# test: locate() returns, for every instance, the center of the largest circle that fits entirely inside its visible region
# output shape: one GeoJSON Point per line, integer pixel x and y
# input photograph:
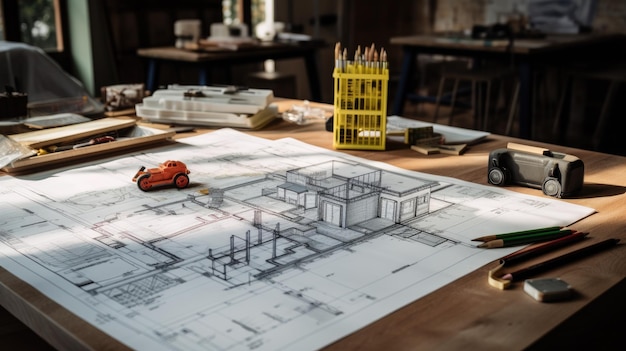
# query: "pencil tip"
{"type": "Point", "coordinates": [483, 245]}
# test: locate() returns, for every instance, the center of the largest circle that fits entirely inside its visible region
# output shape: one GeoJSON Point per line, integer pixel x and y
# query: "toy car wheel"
{"type": "Point", "coordinates": [497, 176]}
{"type": "Point", "coordinates": [144, 183]}
{"type": "Point", "coordinates": [181, 181]}
{"type": "Point", "coordinates": [552, 187]}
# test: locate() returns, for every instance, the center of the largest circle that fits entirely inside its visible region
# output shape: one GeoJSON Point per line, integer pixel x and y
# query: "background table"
{"type": "Point", "coordinates": [205, 61]}
{"type": "Point", "coordinates": [466, 314]}
{"type": "Point", "coordinates": [525, 54]}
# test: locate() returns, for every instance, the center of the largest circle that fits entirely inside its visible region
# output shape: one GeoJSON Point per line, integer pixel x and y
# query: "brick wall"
{"type": "Point", "coordinates": [454, 16]}
{"type": "Point", "coordinates": [610, 16]}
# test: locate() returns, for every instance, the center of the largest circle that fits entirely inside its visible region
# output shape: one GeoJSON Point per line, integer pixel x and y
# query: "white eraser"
{"type": "Point", "coordinates": [550, 289]}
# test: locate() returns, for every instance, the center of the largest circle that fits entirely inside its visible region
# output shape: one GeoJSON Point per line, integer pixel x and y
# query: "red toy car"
{"type": "Point", "coordinates": [168, 172]}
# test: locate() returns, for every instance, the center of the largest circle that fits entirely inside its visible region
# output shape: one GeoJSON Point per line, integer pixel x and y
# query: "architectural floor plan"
{"type": "Point", "coordinates": [274, 244]}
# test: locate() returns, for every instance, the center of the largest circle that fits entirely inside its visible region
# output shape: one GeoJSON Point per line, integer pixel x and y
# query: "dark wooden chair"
{"type": "Point", "coordinates": [482, 83]}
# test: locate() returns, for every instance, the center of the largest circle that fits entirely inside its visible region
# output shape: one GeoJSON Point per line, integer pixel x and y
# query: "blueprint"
{"type": "Point", "coordinates": [274, 245]}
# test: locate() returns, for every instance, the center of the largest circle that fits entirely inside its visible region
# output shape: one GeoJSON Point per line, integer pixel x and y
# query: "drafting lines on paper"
{"type": "Point", "coordinates": [262, 225]}
{"type": "Point", "coordinates": [279, 241]}
{"type": "Point", "coordinates": [267, 224]}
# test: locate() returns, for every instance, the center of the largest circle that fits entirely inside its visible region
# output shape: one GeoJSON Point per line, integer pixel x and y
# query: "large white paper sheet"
{"type": "Point", "coordinates": [291, 248]}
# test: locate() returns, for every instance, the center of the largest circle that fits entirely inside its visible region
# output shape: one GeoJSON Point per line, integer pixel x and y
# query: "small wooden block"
{"type": "Point", "coordinates": [426, 149]}
{"type": "Point", "coordinates": [412, 136]}
{"type": "Point", "coordinates": [452, 149]}
{"type": "Point", "coordinates": [528, 148]}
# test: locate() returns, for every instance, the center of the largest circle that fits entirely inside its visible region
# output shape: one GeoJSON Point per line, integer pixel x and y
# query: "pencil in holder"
{"type": "Point", "coordinates": [360, 101]}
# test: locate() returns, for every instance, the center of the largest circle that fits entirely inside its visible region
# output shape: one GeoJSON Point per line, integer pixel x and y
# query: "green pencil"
{"type": "Point", "coordinates": [526, 239]}
{"type": "Point", "coordinates": [519, 233]}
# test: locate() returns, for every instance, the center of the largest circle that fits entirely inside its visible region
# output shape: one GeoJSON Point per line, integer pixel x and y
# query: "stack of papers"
{"type": "Point", "coordinates": [209, 106]}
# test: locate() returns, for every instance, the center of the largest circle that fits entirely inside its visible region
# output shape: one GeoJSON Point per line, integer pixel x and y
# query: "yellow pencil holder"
{"type": "Point", "coordinates": [360, 107]}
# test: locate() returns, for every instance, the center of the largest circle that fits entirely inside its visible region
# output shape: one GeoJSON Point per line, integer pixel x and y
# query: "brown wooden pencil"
{"type": "Point", "coordinates": [554, 262]}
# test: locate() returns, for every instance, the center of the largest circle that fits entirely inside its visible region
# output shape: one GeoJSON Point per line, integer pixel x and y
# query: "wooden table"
{"type": "Point", "coordinates": [205, 61]}
{"type": "Point", "coordinates": [525, 53]}
{"type": "Point", "coordinates": [466, 314]}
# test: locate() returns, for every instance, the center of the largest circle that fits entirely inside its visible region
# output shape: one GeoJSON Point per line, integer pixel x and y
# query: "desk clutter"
{"type": "Point", "coordinates": [55, 147]}
{"type": "Point", "coordinates": [432, 138]}
{"type": "Point", "coordinates": [51, 147]}
{"type": "Point", "coordinates": [426, 141]}
{"type": "Point", "coordinates": [230, 106]}
{"type": "Point", "coordinates": [51, 140]}
{"type": "Point", "coordinates": [542, 243]}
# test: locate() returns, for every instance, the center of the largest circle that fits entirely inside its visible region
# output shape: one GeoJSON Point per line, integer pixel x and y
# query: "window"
{"type": "Point", "coordinates": [35, 22]}
{"type": "Point", "coordinates": [250, 12]}
{"type": "Point", "coordinates": [39, 23]}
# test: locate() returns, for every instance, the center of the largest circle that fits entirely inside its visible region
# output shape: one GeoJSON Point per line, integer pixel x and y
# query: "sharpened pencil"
{"type": "Point", "coordinates": [554, 262]}
{"type": "Point", "coordinates": [525, 239]}
{"type": "Point", "coordinates": [511, 234]}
